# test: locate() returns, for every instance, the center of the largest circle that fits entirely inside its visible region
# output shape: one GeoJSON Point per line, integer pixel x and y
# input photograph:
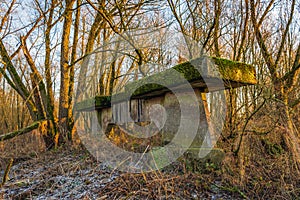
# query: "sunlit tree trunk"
{"type": "Point", "coordinates": [65, 74]}
{"type": "Point", "coordinates": [72, 72]}
{"type": "Point", "coordinates": [52, 125]}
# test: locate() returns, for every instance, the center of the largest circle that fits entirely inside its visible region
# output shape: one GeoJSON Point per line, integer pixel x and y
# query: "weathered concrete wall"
{"type": "Point", "coordinates": [141, 111]}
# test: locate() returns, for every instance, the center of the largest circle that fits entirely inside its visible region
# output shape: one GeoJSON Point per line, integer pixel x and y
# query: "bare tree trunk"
{"type": "Point", "coordinates": [65, 75]}
{"type": "Point", "coordinates": [217, 24]}
{"type": "Point", "coordinates": [72, 73]}
{"type": "Point", "coordinates": [51, 123]}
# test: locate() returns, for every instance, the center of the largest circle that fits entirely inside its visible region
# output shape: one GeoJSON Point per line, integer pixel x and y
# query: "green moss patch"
{"type": "Point", "coordinates": [92, 103]}
{"type": "Point", "coordinates": [27, 129]}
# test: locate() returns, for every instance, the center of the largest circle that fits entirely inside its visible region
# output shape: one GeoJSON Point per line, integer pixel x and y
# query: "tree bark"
{"type": "Point", "coordinates": [52, 126]}
{"type": "Point", "coordinates": [65, 75]}
{"type": "Point", "coordinates": [72, 73]}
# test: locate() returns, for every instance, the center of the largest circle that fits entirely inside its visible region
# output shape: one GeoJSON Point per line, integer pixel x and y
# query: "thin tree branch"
{"type": "Point", "coordinates": [266, 55]}
{"type": "Point", "coordinates": [265, 13]}
{"type": "Point", "coordinates": [4, 19]}
{"type": "Point", "coordinates": [283, 39]}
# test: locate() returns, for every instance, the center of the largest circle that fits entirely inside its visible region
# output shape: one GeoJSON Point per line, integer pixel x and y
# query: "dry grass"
{"type": "Point", "coordinates": [263, 168]}
{"type": "Point", "coordinates": [154, 185]}
{"type": "Point", "coordinates": [265, 172]}
{"type": "Point", "coordinates": [22, 147]}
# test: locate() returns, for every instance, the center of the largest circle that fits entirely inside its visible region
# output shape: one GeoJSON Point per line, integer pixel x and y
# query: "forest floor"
{"type": "Point", "coordinates": [74, 174]}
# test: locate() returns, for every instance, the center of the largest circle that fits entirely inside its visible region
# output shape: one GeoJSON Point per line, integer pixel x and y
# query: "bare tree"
{"type": "Point", "coordinates": [284, 75]}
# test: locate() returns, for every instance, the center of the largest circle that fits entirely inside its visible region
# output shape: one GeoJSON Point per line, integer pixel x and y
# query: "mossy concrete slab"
{"type": "Point", "coordinates": [218, 73]}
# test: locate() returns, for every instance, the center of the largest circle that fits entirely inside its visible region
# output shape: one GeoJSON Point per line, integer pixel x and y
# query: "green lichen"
{"type": "Point", "coordinates": [235, 71]}
{"type": "Point", "coordinates": [102, 101]}
{"type": "Point", "coordinates": [230, 71]}
{"type": "Point", "coordinates": [27, 129]}
{"type": "Point", "coordinates": [92, 103]}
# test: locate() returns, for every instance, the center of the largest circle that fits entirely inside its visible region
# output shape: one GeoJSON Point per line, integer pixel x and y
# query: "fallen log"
{"type": "Point", "coordinates": [22, 131]}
